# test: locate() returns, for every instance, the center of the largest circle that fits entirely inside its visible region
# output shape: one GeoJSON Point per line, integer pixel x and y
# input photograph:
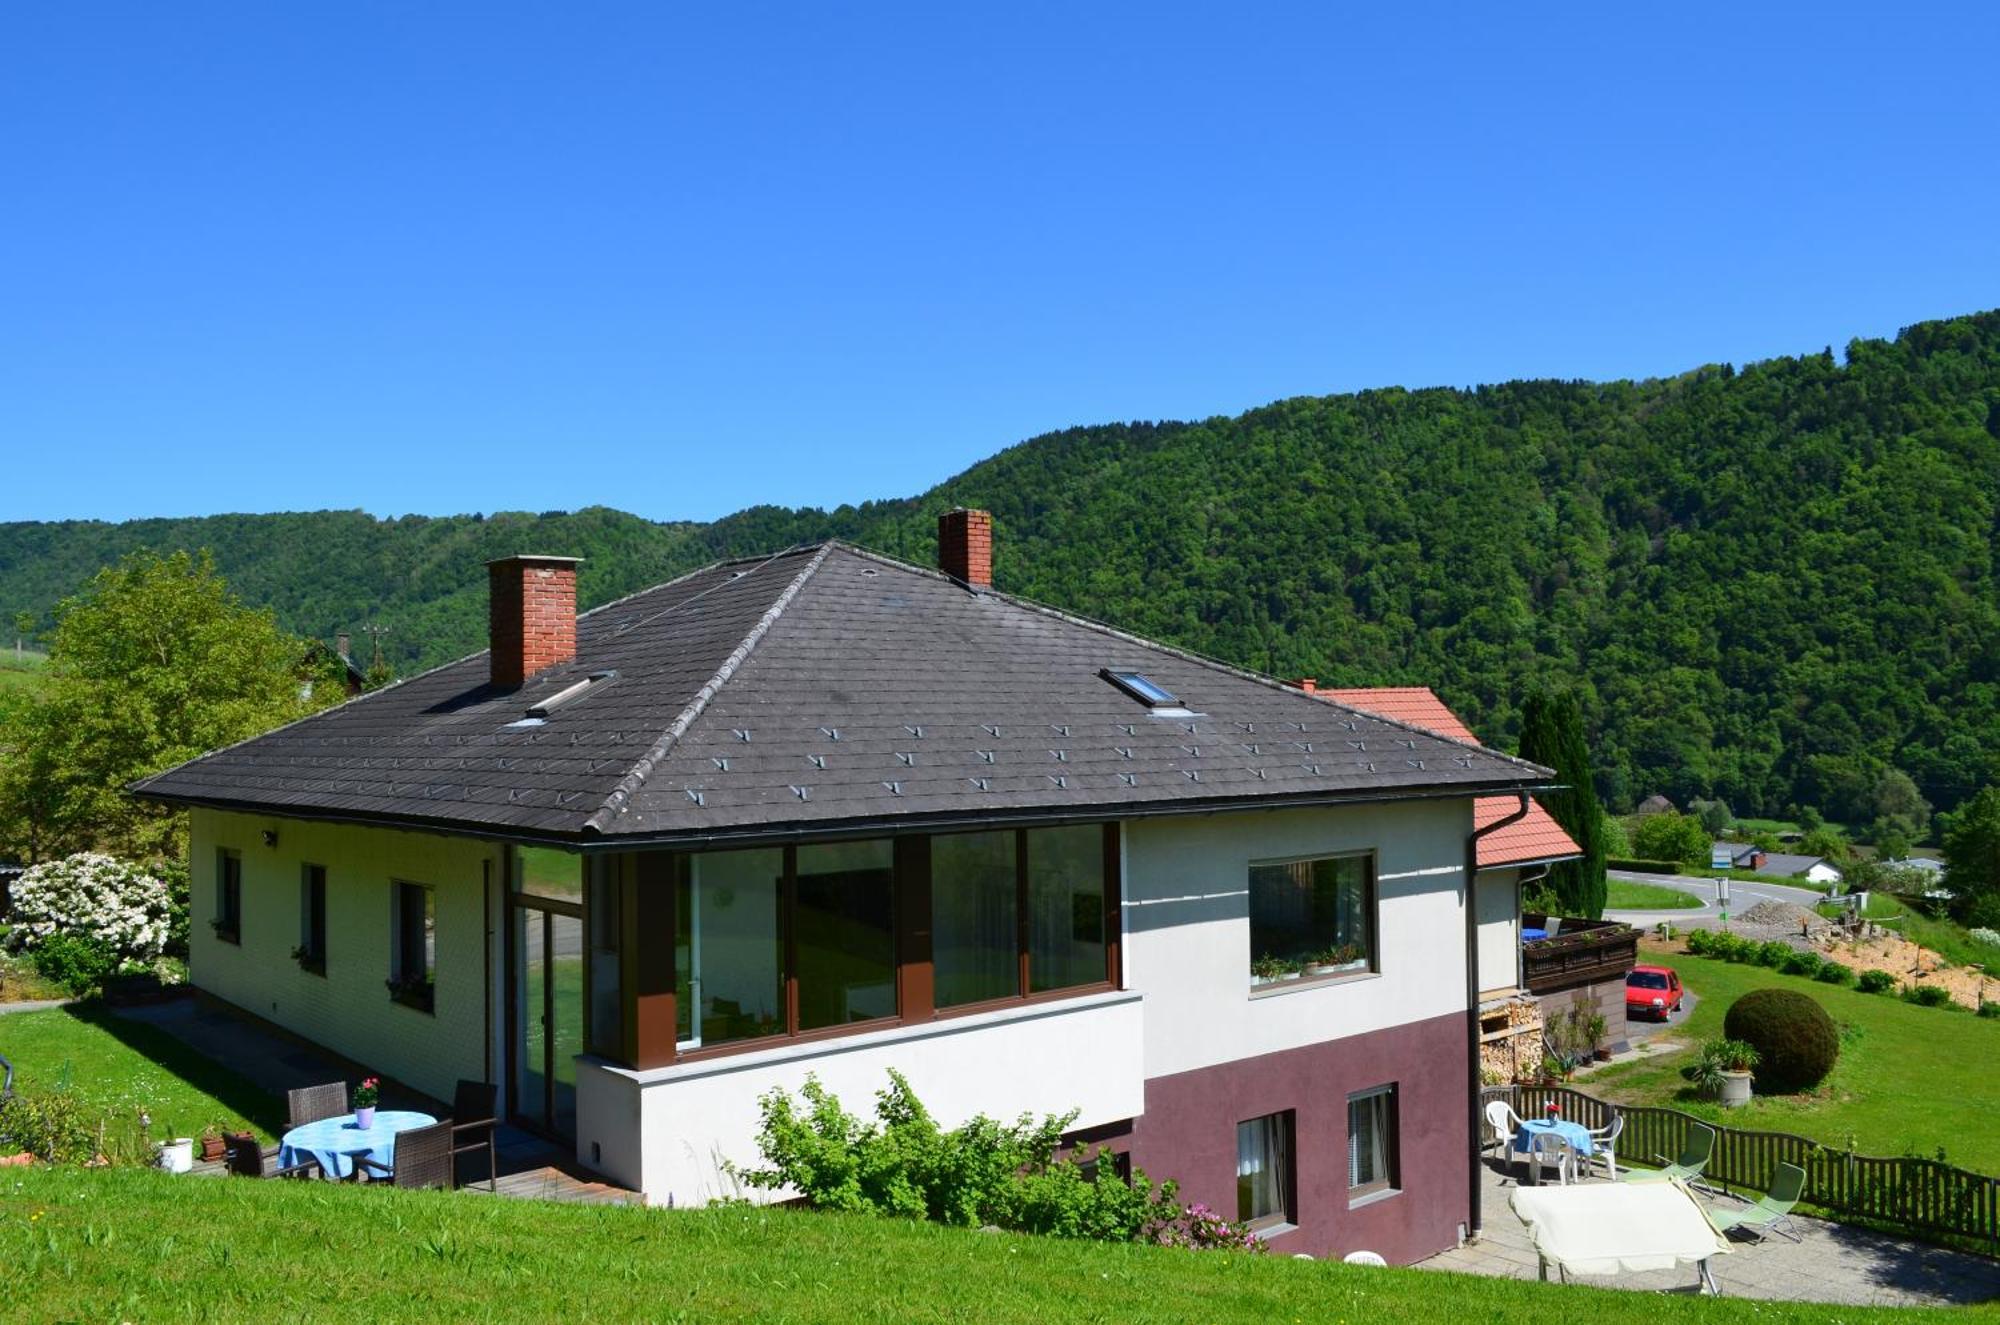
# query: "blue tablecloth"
{"type": "Point", "coordinates": [1573, 1132]}
{"type": "Point", "coordinates": [336, 1142]}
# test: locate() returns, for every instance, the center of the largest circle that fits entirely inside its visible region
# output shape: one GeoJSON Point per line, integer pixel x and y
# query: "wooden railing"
{"type": "Point", "coordinates": [1585, 952]}
{"type": "Point", "coordinates": [1921, 1195]}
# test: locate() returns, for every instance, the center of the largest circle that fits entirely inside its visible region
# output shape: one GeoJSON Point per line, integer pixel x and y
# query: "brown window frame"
{"type": "Point", "coordinates": [228, 920]}
{"type": "Point", "coordinates": [648, 931]}
{"type": "Point", "coordinates": [1389, 1117]}
{"type": "Point", "coordinates": [1372, 905]}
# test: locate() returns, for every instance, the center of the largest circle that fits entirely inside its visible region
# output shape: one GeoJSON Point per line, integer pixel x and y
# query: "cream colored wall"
{"type": "Point", "coordinates": [1499, 931]}
{"type": "Point", "coordinates": [348, 1009]}
{"type": "Point", "coordinates": [672, 1132]}
{"type": "Point", "coordinates": [1187, 928]}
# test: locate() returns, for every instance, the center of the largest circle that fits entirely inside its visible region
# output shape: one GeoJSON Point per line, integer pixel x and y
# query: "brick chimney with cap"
{"type": "Point", "coordinates": [965, 546]}
{"type": "Point", "coordinates": [531, 615]}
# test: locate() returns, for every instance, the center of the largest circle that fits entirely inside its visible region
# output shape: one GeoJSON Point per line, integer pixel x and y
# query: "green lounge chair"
{"type": "Point", "coordinates": [1771, 1211]}
{"type": "Point", "coordinates": [1695, 1152]}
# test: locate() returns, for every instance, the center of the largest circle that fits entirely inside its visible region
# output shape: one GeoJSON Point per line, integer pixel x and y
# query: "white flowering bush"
{"type": "Point", "coordinates": [95, 898]}
{"type": "Point", "coordinates": [1991, 938]}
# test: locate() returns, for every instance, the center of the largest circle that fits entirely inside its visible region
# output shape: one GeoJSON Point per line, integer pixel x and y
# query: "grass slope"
{"type": "Point", "coordinates": [1910, 1080]}
{"type": "Point", "coordinates": [137, 1246]}
{"type": "Point", "coordinates": [120, 1067]}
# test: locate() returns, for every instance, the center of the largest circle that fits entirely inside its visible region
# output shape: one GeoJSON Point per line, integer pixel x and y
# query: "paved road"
{"type": "Point", "coordinates": [1742, 896]}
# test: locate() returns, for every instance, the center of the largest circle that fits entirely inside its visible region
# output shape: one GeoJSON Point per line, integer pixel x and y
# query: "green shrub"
{"type": "Point", "coordinates": [1833, 973]}
{"type": "Point", "coordinates": [74, 961]}
{"type": "Point", "coordinates": [1987, 1009]}
{"type": "Point", "coordinates": [1700, 942]}
{"type": "Point", "coordinates": [1637, 866]}
{"type": "Point", "coordinates": [984, 1172]}
{"type": "Point", "coordinates": [1875, 982]}
{"type": "Point", "coordinates": [1800, 963]}
{"type": "Point", "coordinates": [1772, 953]}
{"type": "Point", "coordinates": [1796, 1042]}
{"type": "Point", "coordinates": [1928, 996]}
{"type": "Point", "coordinates": [53, 1126]}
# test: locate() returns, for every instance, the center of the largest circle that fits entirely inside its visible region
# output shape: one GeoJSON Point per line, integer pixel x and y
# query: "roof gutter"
{"type": "Point", "coordinates": [876, 826]}
{"type": "Point", "coordinates": [1476, 1188]}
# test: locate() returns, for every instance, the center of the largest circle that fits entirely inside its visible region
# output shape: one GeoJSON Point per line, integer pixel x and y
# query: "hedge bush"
{"type": "Point", "coordinates": [1876, 982]}
{"type": "Point", "coordinates": [1987, 1009]}
{"type": "Point", "coordinates": [1796, 1042]}
{"type": "Point", "coordinates": [1773, 954]}
{"type": "Point", "coordinates": [1928, 996]}
{"type": "Point", "coordinates": [1834, 973]}
{"type": "Point", "coordinates": [1800, 963]}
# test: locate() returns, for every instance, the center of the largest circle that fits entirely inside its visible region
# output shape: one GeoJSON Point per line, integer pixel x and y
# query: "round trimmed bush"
{"type": "Point", "coordinates": [1796, 1041]}
{"type": "Point", "coordinates": [1834, 973]}
{"type": "Point", "coordinates": [1876, 982]}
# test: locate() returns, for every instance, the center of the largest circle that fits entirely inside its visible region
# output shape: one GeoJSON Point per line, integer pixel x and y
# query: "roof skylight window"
{"type": "Point", "coordinates": [1142, 688]}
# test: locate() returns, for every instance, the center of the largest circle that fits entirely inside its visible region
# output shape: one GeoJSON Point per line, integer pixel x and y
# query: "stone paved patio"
{"type": "Point", "coordinates": [1834, 1263]}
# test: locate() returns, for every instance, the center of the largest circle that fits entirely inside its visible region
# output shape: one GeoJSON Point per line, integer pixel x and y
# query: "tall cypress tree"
{"type": "Point", "coordinates": [1552, 735]}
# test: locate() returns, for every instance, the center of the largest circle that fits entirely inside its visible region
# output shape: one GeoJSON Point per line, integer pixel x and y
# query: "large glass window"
{"type": "Point", "coordinates": [1371, 1141]}
{"type": "Point", "coordinates": [1264, 1170]}
{"type": "Point", "coordinates": [729, 958]}
{"type": "Point", "coordinates": [975, 918]}
{"type": "Point", "coordinates": [228, 921]}
{"type": "Point", "coordinates": [844, 933]}
{"type": "Point", "coordinates": [1312, 918]}
{"type": "Point", "coordinates": [607, 1003]}
{"type": "Point", "coordinates": [547, 872]}
{"type": "Point", "coordinates": [1066, 907]}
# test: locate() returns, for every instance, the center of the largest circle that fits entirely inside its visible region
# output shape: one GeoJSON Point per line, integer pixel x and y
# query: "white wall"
{"type": "Point", "coordinates": [348, 1009]}
{"type": "Point", "coordinates": [1499, 896]}
{"type": "Point", "coordinates": [671, 1131]}
{"type": "Point", "coordinates": [1187, 928]}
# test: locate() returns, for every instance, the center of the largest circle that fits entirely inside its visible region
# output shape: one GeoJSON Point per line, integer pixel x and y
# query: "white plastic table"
{"type": "Point", "coordinates": [1619, 1228]}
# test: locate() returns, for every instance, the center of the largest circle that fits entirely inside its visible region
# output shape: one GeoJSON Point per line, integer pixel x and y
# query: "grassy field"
{"type": "Point", "coordinates": [23, 671]}
{"type": "Point", "coordinates": [1622, 896]}
{"type": "Point", "coordinates": [1908, 1081]}
{"type": "Point", "coordinates": [131, 1245]}
{"type": "Point", "coordinates": [119, 1068]}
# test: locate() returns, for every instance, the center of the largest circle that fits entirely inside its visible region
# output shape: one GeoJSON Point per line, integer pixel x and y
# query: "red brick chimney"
{"type": "Point", "coordinates": [531, 615]}
{"type": "Point", "coordinates": [965, 546]}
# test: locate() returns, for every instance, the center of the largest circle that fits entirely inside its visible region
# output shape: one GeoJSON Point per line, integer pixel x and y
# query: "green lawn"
{"type": "Point", "coordinates": [23, 671]}
{"type": "Point", "coordinates": [139, 1246]}
{"type": "Point", "coordinates": [120, 1068]}
{"type": "Point", "coordinates": [1622, 896]}
{"type": "Point", "coordinates": [1910, 1080]}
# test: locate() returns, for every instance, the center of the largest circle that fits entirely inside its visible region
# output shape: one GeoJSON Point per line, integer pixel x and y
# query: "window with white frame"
{"type": "Point", "coordinates": [1312, 918]}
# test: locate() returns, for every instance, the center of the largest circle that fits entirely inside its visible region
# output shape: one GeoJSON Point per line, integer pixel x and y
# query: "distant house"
{"type": "Point", "coordinates": [1655, 805]}
{"type": "Point", "coordinates": [1746, 856]}
{"type": "Point", "coordinates": [826, 812]}
{"type": "Point", "coordinates": [1740, 855]}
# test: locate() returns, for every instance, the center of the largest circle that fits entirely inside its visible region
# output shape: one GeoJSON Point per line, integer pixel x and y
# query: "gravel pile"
{"type": "Point", "coordinates": [1771, 919]}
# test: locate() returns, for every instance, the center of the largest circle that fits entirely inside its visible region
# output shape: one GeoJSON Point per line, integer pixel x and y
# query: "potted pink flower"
{"type": "Point", "coordinates": [366, 1096]}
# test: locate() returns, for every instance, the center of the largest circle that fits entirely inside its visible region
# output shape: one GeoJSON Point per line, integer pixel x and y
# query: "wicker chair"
{"type": "Point", "coordinates": [248, 1159]}
{"type": "Point", "coordinates": [309, 1104]}
{"type": "Point", "coordinates": [473, 1120]}
{"type": "Point", "coordinates": [423, 1158]}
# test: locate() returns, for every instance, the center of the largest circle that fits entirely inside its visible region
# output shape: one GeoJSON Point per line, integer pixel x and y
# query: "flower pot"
{"type": "Point", "coordinates": [1289, 975]}
{"type": "Point", "coordinates": [1735, 1090]}
{"type": "Point", "coordinates": [177, 1155]}
{"type": "Point", "coordinates": [364, 1118]}
{"type": "Point", "coordinates": [212, 1149]}
{"type": "Point", "coordinates": [1601, 1055]}
{"type": "Point", "coordinates": [1322, 968]}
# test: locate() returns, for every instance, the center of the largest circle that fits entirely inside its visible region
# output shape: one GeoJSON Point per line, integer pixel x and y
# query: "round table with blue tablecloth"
{"type": "Point", "coordinates": [1575, 1133]}
{"type": "Point", "coordinates": [336, 1143]}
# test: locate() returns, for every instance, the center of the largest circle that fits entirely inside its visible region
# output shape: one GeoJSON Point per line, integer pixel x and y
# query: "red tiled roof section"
{"type": "Point", "coordinates": [1535, 838]}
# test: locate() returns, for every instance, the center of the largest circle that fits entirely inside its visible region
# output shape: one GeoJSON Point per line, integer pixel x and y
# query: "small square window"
{"type": "Point", "coordinates": [1371, 1142]}
{"type": "Point", "coordinates": [1264, 1171]}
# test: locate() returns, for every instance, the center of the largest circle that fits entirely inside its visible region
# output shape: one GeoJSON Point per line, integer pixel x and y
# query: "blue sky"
{"type": "Point", "coordinates": [445, 258]}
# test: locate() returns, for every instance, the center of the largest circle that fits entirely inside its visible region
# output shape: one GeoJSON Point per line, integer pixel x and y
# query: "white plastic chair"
{"type": "Point", "coordinates": [1548, 1150]}
{"type": "Point", "coordinates": [1604, 1141]}
{"type": "Point", "coordinates": [1503, 1122]}
{"type": "Point", "coordinates": [1363, 1258]}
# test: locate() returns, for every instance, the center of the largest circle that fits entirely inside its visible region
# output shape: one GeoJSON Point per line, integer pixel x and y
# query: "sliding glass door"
{"type": "Point", "coordinates": [546, 1010]}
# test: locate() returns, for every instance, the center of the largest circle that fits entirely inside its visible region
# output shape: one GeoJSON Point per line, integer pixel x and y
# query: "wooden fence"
{"type": "Point", "coordinates": [1922, 1195]}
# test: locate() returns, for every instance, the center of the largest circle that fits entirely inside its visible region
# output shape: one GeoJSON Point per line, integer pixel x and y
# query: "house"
{"type": "Point", "coordinates": [1738, 856]}
{"type": "Point", "coordinates": [1654, 804]}
{"type": "Point", "coordinates": [1518, 852]}
{"type": "Point", "coordinates": [825, 812]}
{"type": "Point", "coordinates": [1786, 865]}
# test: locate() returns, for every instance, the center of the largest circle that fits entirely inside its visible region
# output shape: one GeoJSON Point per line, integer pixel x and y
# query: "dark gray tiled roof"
{"type": "Point", "coordinates": [821, 689]}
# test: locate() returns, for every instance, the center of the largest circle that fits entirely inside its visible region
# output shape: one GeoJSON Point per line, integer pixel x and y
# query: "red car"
{"type": "Point", "coordinates": [1652, 991]}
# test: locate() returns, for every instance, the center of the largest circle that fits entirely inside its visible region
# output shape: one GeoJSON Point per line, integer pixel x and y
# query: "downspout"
{"type": "Point", "coordinates": [1473, 1164]}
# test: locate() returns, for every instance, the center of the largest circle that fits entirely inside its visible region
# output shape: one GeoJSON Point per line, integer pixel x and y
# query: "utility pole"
{"type": "Point", "coordinates": [376, 632]}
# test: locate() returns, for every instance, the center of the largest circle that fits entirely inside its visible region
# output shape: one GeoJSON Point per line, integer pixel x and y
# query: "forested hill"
{"type": "Point", "coordinates": [1771, 583]}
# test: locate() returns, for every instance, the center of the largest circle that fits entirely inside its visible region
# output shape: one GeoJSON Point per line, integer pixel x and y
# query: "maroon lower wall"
{"type": "Point", "coordinates": [1188, 1133]}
